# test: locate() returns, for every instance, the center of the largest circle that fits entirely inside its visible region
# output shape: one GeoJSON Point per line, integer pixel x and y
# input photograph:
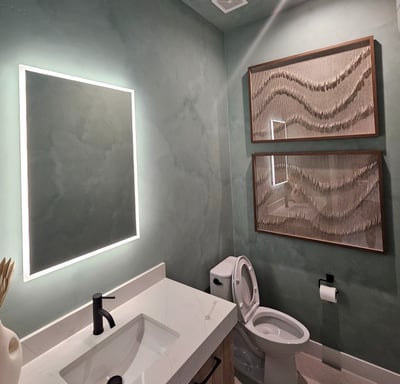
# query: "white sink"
{"type": "Point", "coordinates": [127, 352]}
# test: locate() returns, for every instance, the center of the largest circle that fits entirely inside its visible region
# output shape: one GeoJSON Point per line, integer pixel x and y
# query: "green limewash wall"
{"type": "Point", "coordinates": [174, 61]}
{"type": "Point", "coordinates": [365, 322]}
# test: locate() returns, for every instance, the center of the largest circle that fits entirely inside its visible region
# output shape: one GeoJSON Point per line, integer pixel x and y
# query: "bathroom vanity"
{"type": "Point", "coordinates": [219, 366]}
{"type": "Point", "coordinates": [165, 333]}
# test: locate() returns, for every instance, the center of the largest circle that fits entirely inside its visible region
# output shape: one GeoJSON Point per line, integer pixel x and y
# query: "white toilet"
{"type": "Point", "coordinates": [274, 334]}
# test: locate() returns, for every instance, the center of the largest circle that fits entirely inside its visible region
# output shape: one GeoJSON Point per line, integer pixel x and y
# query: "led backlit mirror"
{"type": "Point", "coordinates": [78, 160]}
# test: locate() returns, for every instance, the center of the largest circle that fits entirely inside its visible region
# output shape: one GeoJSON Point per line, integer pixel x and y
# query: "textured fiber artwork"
{"type": "Point", "coordinates": [333, 197]}
{"type": "Point", "coordinates": [327, 93]}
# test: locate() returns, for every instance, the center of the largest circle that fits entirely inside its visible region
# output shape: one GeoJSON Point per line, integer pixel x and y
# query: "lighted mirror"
{"type": "Point", "coordinates": [78, 160]}
{"type": "Point", "coordinates": [279, 170]}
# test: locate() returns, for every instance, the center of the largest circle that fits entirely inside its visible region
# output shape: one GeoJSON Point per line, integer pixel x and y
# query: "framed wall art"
{"type": "Point", "coordinates": [332, 197]}
{"type": "Point", "coordinates": [327, 93]}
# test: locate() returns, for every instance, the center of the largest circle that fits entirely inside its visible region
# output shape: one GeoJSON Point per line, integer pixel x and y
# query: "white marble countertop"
{"type": "Point", "coordinates": [201, 320]}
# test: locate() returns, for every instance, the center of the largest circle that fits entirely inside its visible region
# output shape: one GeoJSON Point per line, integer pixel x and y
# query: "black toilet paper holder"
{"type": "Point", "coordinates": [329, 279]}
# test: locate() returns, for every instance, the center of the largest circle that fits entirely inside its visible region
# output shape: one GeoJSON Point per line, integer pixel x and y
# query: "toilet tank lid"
{"type": "Point", "coordinates": [225, 268]}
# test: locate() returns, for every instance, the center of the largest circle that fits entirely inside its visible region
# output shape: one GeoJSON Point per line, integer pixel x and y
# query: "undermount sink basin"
{"type": "Point", "coordinates": [128, 352]}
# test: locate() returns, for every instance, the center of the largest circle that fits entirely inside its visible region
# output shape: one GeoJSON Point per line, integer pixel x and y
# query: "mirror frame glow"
{"type": "Point", "coordinates": [28, 275]}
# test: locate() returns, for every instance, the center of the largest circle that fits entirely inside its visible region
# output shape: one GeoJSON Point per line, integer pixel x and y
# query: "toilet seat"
{"type": "Point", "coordinates": [245, 288]}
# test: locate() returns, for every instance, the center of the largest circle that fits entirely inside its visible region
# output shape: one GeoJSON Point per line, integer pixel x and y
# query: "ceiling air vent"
{"type": "Point", "coordinates": [228, 5]}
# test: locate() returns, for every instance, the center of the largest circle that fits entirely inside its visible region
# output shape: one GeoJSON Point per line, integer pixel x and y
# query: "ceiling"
{"type": "Point", "coordinates": [255, 10]}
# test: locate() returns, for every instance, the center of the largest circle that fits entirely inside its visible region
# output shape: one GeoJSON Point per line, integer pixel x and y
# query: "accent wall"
{"type": "Point", "coordinates": [365, 322]}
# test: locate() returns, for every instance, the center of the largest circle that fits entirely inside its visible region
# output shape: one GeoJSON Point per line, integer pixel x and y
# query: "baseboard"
{"type": "Point", "coordinates": [353, 364]}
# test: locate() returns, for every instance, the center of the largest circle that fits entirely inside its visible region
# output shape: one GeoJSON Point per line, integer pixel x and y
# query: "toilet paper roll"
{"type": "Point", "coordinates": [328, 293]}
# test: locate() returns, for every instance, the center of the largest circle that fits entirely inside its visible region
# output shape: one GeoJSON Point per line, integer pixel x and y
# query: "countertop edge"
{"type": "Point", "coordinates": [205, 350]}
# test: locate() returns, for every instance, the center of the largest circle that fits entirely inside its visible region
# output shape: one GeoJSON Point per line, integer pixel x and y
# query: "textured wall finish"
{"type": "Point", "coordinates": [365, 322]}
{"type": "Point", "coordinates": [398, 13]}
{"type": "Point", "coordinates": [174, 61]}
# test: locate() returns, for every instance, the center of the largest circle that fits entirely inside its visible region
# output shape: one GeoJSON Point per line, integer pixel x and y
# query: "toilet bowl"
{"type": "Point", "coordinates": [278, 335]}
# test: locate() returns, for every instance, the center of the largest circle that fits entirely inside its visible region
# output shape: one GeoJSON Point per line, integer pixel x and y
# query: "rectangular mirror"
{"type": "Point", "coordinates": [78, 169]}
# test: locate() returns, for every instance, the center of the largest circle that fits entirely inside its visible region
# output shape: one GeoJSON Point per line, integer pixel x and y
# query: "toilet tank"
{"type": "Point", "coordinates": [221, 277]}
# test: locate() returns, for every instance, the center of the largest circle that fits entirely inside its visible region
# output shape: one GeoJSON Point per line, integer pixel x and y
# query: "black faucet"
{"type": "Point", "coordinates": [99, 312]}
{"type": "Point", "coordinates": [115, 380]}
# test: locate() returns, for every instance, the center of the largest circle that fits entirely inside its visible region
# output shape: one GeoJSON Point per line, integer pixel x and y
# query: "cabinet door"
{"type": "Point", "coordinates": [218, 369]}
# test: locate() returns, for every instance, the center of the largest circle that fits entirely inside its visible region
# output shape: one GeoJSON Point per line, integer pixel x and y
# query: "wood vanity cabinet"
{"type": "Point", "coordinates": [218, 369]}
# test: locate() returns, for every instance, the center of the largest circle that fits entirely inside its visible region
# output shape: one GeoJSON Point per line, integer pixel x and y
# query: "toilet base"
{"type": "Point", "coordinates": [279, 370]}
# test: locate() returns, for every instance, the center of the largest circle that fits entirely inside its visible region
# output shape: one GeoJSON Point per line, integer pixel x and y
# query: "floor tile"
{"type": "Point", "coordinates": [314, 371]}
{"type": "Point", "coordinates": [317, 372]}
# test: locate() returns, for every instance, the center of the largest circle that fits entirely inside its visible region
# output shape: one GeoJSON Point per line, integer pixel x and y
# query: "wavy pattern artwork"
{"type": "Point", "coordinates": [334, 197]}
{"type": "Point", "coordinates": [330, 93]}
{"type": "Point", "coordinates": [334, 185]}
{"type": "Point", "coordinates": [308, 106]}
{"type": "Point", "coordinates": [330, 213]}
{"type": "Point", "coordinates": [326, 229]}
{"type": "Point", "coordinates": [315, 85]}
{"type": "Point", "coordinates": [322, 210]}
{"type": "Point", "coordinates": [327, 128]}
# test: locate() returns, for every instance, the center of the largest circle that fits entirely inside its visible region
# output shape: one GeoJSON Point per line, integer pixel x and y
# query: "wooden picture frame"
{"type": "Point", "coordinates": [328, 93]}
{"type": "Point", "coordinates": [331, 197]}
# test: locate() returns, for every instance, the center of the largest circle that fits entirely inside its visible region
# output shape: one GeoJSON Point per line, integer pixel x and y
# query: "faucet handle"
{"type": "Point", "coordinates": [108, 297]}
{"type": "Point", "coordinates": [99, 295]}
